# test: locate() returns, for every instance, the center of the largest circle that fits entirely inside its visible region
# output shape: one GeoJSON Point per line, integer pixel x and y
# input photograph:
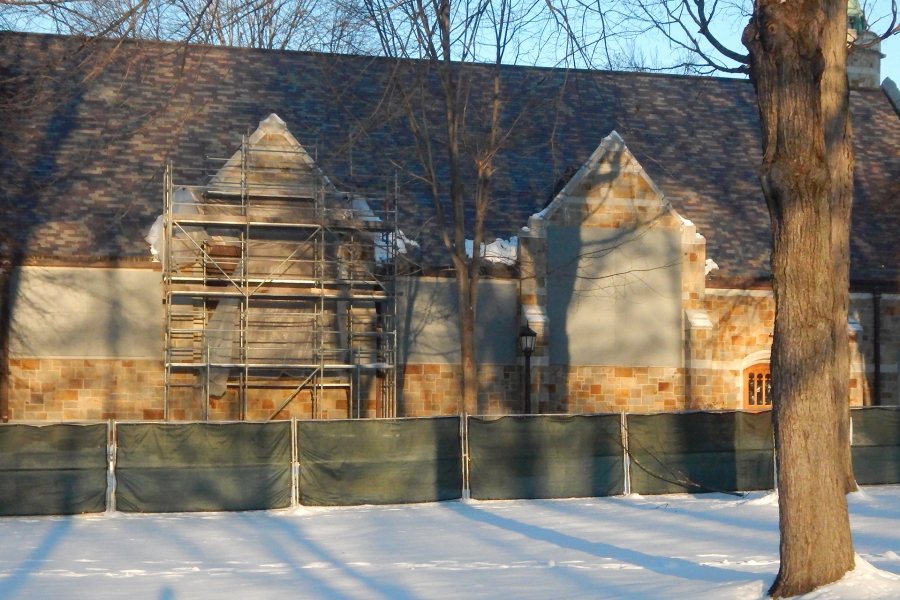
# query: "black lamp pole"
{"type": "Point", "coordinates": [527, 337]}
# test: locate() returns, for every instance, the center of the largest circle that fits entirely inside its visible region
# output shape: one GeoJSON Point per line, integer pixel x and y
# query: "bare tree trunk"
{"type": "Point", "coordinates": [5, 318]}
{"type": "Point", "coordinates": [798, 68]}
{"type": "Point", "coordinates": [9, 261]}
{"type": "Point", "coordinates": [469, 384]}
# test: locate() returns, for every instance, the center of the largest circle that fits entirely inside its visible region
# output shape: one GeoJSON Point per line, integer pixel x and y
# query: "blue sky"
{"type": "Point", "coordinates": [890, 65]}
{"type": "Point", "coordinates": [730, 33]}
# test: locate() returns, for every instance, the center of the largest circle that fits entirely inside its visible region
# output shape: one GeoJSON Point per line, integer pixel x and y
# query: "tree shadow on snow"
{"type": "Point", "coordinates": [663, 565]}
{"type": "Point", "coordinates": [34, 562]}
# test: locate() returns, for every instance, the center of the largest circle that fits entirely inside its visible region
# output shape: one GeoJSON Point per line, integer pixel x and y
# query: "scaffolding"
{"type": "Point", "coordinates": [277, 286]}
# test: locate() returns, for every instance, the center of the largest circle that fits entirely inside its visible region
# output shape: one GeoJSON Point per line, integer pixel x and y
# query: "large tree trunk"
{"type": "Point", "coordinates": [798, 66]}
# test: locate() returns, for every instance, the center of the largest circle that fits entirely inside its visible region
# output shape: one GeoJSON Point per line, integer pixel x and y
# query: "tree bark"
{"type": "Point", "coordinates": [5, 320]}
{"type": "Point", "coordinates": [10, 259]}
{"type": "Point", "coordinates": [798, 66]}
{"type": "Point", "coordinates": [467, 308]}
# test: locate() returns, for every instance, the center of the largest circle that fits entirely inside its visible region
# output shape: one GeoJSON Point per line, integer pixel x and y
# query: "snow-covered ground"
{"type": "Point", "coordinates": [677, 546]}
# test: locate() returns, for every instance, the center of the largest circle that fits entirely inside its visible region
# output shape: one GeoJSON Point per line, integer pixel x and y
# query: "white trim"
{"type": "Point", "coordinates": [755, 358]}
{"type": "Point", "coordinates": [698, 319]}
{"type": "Point", "coordinates": [732, 365]}
{"type": "Point", "coordinates": [719, 365]}
{"type": "Point", "coordinates": [74, 267]}
{"type": "Point", "coordinates": [535, 314]}
{"type": "Point", "coordinates": [764, 357]}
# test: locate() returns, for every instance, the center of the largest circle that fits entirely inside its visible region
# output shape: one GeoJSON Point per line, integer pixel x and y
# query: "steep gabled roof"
{"type": "Point", "coordinates": [89, 133]}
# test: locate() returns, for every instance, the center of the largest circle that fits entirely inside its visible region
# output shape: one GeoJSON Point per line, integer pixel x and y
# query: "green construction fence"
{"type": "Point", "coordinates": [169, 467]}
{"type": "Point", "coordinates": [379, 461]}
{"type": "Point", "coordinates": [545, 456]}
{"type": "Point", "coordinates": [53, 469]}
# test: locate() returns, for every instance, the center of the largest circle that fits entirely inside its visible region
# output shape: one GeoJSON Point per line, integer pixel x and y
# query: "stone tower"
{"type": "Point", "coordinates": [864, 57]}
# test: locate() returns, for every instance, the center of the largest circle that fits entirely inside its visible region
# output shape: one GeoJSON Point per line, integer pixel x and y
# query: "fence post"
{"type": "Point", "coordinates": [111, 466]}
{"type": "Point", "coordinates": [295, 466]}
{"type": "Point", "coordinates": [626, 460]}
{"type": "Point", "coordinates": [464, 441]}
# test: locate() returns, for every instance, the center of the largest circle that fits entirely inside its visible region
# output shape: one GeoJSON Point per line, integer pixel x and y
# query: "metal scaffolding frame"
{"type": "Point", "coordinates": [276, 284]}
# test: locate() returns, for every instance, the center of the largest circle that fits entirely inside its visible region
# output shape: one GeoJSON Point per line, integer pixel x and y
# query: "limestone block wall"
{"type": "Point", "coordinates": [724, 331]}
{"type": "Point", "coordinates": [64, 389]}
{"type": "Point", "coordinates": [262, 403]}
{"type": "Point", "coordinates": [68, 389]}
{"type": "Point", "coordinates": [433, 389]}
{"type": "Point", "coordinates": [603, 389]}
{"type": "Point", "coordinates": [740, 336]}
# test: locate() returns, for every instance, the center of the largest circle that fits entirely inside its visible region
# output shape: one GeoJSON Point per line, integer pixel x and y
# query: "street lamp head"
{"type": "Point", "coordinates": [527, 338]}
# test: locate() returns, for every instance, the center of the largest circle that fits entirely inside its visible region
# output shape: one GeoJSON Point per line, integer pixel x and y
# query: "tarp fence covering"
{"type": "Point", "coordinates": [379, 461]}
{"type": "Point", "coordinates": [700, 452]}
{"type": "Point", "coordinates": [876, 445]}
{"type": "Point", "coordinates": [53, 469]}
{"type": "Point", "coordinates": [545, 456]}
{"type": "Point", "coordinates": [168, 467]}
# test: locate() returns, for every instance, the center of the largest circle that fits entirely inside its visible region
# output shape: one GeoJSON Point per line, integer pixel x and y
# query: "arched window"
{"type": "Point", "coordinates": [758, 387]}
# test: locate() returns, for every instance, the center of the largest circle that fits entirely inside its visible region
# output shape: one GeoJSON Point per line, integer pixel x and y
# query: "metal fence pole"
{"type": "Point", "coordinates": [464, 440]}
{"type": "Point", "coordinates": [111, 465]}
{"type": "Point", "coordinates": [626, 460]}
{"type": "Point", "coordinates": [295, 466]}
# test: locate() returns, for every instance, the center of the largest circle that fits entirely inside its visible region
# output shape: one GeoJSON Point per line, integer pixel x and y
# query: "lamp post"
{"type": "Point", "coordinates": [527, 337]}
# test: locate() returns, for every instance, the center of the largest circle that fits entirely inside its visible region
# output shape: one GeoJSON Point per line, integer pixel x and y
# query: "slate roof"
{"type": "Point", "coordinates": [86, 134]}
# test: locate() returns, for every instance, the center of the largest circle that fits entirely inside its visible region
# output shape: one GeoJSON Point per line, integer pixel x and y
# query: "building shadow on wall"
{"type": "Point", "coordinates": [614, 307]}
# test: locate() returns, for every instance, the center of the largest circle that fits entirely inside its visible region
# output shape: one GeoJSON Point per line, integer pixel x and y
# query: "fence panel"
{"type": "Point", "coordinates": [165, 467]}
{"type": "Point", "coordinates": [52, 469]}
{"type": "Point", "coordinates": [379, 461]}
{"type": "Point", "coordinates": [876, 445]}
{"type": "Point", "coordinates": [701, 452]}
{"type": "Point", "coordinates": [545, 456]}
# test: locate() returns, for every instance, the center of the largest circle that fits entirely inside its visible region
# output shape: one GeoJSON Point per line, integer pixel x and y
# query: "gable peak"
{"type": "Point", "coordinates": [612, 178]}
{"type": "Point", "coordinates": [273, 124]}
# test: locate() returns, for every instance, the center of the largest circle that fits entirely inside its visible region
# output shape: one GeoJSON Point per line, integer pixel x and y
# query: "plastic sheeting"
{"type": "Point", "coordinates": [377, 461]}
{"type": "Point", "coordinates": [203, 467]}
{"type": "Point", "coordinates": [545, 457]}
{"type": "Point", "coordinates": [876, 445]}
{"type": "Point", "coordinates": [701, 452]}
{"type": "Point", "coordinates": [52, 469]}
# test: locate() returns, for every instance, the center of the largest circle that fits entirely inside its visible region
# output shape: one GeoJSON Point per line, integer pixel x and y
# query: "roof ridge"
{"type": "Point", "coordinates": [379, 58]}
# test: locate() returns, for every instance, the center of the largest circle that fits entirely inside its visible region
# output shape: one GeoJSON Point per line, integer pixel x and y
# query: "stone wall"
{"type": "Point", "coordinates": [433, 389]}
{"type": "Point", "coordinates": [600, 389]}
{"type": "Point", "coordinates": [66, 389]}
{"type": "Point", "coordinates": [51, 389]}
